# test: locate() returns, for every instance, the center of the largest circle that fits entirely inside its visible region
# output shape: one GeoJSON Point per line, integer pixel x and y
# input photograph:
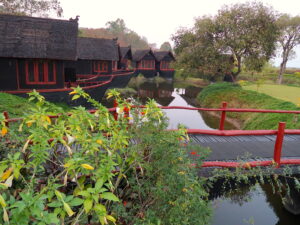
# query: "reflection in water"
{"type": "Point", "coordinates": [256, 204]}
{"type": "Point", "coordinates": [165, 94]}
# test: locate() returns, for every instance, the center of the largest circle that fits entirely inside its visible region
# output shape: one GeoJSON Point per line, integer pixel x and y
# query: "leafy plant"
{"type": "Point", "coordinates": [82, 168]}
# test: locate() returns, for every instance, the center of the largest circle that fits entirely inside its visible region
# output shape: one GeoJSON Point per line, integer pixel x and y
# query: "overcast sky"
{"type": "Point", "coordinates": [157, 20]}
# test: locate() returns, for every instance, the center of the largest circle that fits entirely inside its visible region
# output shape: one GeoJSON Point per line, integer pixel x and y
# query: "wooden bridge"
{"type": "Point", "coordinates": [280, 147]}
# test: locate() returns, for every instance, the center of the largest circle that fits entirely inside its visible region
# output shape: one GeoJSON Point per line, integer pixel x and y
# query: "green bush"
{"type": "Point", "coordinates": [236, 97]}
{"type": "Point", "coordinates": [84, 168]}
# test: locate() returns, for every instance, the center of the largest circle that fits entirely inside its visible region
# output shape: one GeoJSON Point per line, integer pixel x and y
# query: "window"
{"type": "Point", "coordinates": [146, 64]}
{"type": "Point", "coordinates": [40, 72]}
{"type": "Point", "coordinates": [165, 65]}
{"type": "Point", "coordinates": [114, 65]}
{"type": "Point", "coordinates": [100, 66]}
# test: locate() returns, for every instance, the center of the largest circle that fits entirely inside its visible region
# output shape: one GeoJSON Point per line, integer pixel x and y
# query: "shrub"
{"type": "Point", "coordinates": [84, 168]}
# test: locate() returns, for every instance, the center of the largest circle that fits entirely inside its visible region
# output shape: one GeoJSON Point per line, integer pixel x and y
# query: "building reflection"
{"type": "Point", "coordinates": [160, 92]}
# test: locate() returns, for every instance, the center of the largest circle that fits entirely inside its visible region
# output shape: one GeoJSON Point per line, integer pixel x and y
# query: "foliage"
{"type": "Point", "coordinates": [237, 97]}
{"type": "Point", "coordinates": [31, 7]}
{"type": "Point", "coordinates": [16, 106]}
{"type": "Point", "coordinates": [117, 29]}
{"type": "Point", "coordinates": [166, 46]}
{"type": "Point", "coordinates": [288, 40]}
{"type": "Point", "coordinates": [244, 33]}
{"type": "Point", "coordinates": [83, 168]}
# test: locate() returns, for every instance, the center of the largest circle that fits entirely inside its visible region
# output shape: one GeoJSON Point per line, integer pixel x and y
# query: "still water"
{"type": "Point", "coordinates": [256, 205]}
{"type": "Point", "coordinates": [169, 94]}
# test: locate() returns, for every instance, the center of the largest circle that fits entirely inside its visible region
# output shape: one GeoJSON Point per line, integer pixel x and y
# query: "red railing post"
{"type": "Point", "coordinates": [5, 113]}
{"type": "Point", "coordinates": [278, 143]}
{"type": "Point", "coordinates": [223, 116]}
{"type": "Point", "coordinates": [115, 113]}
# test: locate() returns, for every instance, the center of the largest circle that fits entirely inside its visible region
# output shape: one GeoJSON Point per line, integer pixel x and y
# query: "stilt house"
{"type": "Point", "coordinates": [163, 63]}
{"type": "Point", "coordinates": [125, 58]}
{"type": "Point", "coordinates": [96, 56]}
{"type": "Point", "coordinates": [33, 52]}
{"type": "Point", "coordinates": [144, 62]}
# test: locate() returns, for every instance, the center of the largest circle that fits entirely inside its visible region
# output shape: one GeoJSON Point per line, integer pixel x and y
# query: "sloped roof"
{"type": "Point", "coordinates": [138, 55]}
{"type": "Point", "coordinates": [124, 51]}
{"type": "Point", "coordinates": [159, 55]}
{"type": "Point", "coordinates": [97, 49]}
{"type": "Point", "coordinates": [32, 37]}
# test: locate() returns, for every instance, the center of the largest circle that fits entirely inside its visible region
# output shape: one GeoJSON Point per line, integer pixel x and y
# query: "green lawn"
{"type": "Point", "coordinates": [287, 93]}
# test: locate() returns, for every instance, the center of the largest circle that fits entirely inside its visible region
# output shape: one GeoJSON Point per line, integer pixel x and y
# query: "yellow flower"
{"type": "Point", "coordinates": [181, 172]}
{"type": "Point", "coordinates": [184, 189]}
{"type": "Point", "coordinates": [73, 92]}
{"type": "Point", "coordinates": [4, 131]}
{"type": "Point", "coordinates": [87, 166]}
{"type": "Point", "coordinates": [99, 141]}
{"type": "Point", "coordinates": [6, 174]}
{"type": "Point", "coordinates": [29, 124]}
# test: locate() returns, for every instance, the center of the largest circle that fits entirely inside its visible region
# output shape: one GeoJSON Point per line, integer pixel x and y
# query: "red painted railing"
{"type": "Point", "coordinates": [280, 132]}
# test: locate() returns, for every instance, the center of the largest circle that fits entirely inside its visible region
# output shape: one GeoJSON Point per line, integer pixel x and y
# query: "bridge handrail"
{"type": "Point", "coordinates": [221, 132]}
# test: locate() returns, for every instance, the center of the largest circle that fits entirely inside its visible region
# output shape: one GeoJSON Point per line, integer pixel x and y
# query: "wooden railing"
{"type": "Point", "coordinates": [280, 132]}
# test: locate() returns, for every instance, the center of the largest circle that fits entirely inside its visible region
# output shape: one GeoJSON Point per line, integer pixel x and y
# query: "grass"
{"type": "Point", "coordinates": [197, 82]}
{"type": "Point", "coordinates": [16, 106]}
{"type": "Point", "coordinates": [237, 97]}
{"type": "Point", "coordinates": [271, 78]}
{"type": "Point", "coordinates": [283, 92]}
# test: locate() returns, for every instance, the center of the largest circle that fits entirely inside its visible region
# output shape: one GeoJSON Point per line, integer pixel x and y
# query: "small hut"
{"type": "Point", "coordinates": [163, 63]}
{"type": "Point", "coordinates": [33, 51]}
{"type": "Point", "coordinates": [144, 62]}
{"type": "Point", "coordinates": [125, 58]}
{"type": "Point", "coordinates": [95, 57]}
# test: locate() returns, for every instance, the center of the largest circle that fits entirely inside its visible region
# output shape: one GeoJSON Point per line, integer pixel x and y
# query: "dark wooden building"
{"type": "Point", "coordinates": [125, 59]}
{"type": "Point", "coordinates": [144, 63]}
{"type": "Point", "coordinates": [163, 63]}
{"type": "Point", "coordinates": [33, 52]}
{"type": "Point", "coordinates": [95, 56]}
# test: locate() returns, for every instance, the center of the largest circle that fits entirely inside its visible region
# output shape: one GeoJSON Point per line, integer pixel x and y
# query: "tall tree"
{"type": "Point", "coordinates": [244, 32]}
{"type": "Point", "coordinates": [31, 7]}
{"type": "Point", "coordinates": [166, 46]}
{"type": "Point", "coordinates": [288, 40]}
{"type": "Point", "coordinates": [116, 27]}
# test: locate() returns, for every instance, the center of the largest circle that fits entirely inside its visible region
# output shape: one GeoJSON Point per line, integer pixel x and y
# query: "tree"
{"type": "Point", "coordinates": [289, 38]}
{"type": "Point", "coordinates": [166, 46]}
{"type": "Point", "coordinates": [31, 7]}
{"type": "Point", "coordinates": [117, 27]}
{"type": "Point", "coordinates": [244, 33]}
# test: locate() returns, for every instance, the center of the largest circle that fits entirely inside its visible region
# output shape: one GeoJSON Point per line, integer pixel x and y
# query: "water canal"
{"type": "Point", "coordinates": [251, 204]}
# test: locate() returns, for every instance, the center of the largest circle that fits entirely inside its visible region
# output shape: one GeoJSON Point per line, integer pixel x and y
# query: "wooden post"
{"type": "Point", "coordinates": [223, 116]}
{"type": "Point", "coordinates": [115, 113]}
{"type": "Point", "coordinates": [5, 113]}
{"type": "Point", "coordinates": [278, 143]}
{"type": "Point", "coordinates": [126, 109]}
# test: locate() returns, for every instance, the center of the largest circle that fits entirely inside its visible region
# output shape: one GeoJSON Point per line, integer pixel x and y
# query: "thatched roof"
{"type": "Point", "coordinates": [31, 37]}
{"type": "Point", "coordinates": [124, 51]}
{"type": "Point", "coordinates": [97, 49]}
{"type": "Point", "coordinates": [160, 55]}
{"type": "Point", "coordinates": [138, 55]}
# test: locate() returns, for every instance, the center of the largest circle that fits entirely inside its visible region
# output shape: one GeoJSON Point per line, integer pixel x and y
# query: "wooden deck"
{"type": "Point", "coordinates": [227, 148]}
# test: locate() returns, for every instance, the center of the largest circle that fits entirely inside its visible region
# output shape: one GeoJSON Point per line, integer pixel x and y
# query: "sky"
{"type": "Point", "coordinates": [157, 20]}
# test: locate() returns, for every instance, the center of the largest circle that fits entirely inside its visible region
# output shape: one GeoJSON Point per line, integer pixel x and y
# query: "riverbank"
{"type": "Point", "coordinates": [16, 106]}
{"type": "Point", "coordinates": [213, 95]}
